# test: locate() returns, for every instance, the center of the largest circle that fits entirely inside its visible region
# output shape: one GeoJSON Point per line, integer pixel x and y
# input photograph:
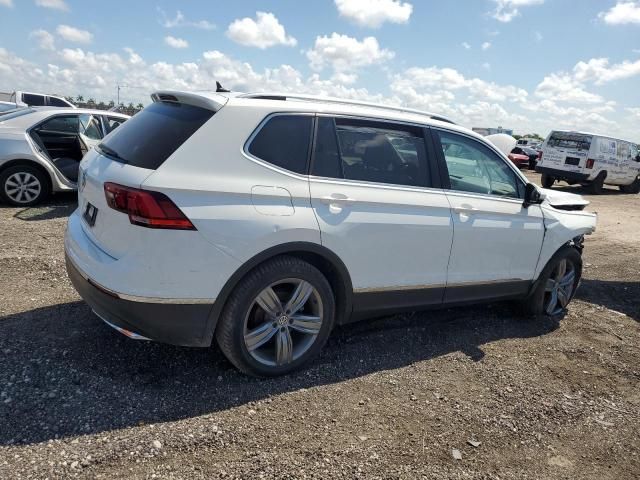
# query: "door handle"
{"type": "Point", "coordinates": [337, 199]}
{"type": "Point", "coordinates": [465, 210]}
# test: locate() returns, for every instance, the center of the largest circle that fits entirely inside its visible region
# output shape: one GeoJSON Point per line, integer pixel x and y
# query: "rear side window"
{"type": "Point", "coordinates": [370, 151]}
{"type": "Point", "coordinates": [151, 136]}
{"type": "Point", "coordinates": [284, 141]}
{"type": "Point", "coordinates": [33, 100]}
{"type": "Point", "coordinates": [68, 124]}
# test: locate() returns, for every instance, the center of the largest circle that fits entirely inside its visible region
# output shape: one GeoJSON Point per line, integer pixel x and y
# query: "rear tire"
{"type": "Point", "coordinates": [277, 319]}
{"type": "Point", "coordinates": [597, 185]}
{"type": "Point", "coordinates": [23, 186]}
{"type": "Point", "coordinates": [633, 187]}
{"type": "Point", "coordinates": [547, 180]}
{"type": "Point", "coordinates": [556, 285]}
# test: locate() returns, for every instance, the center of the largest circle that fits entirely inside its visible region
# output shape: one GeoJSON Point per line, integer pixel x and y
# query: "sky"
{"type": "Point", "coordinates": [530, 65]}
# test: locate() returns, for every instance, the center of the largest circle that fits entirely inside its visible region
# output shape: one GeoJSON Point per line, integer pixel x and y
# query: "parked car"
{"type": "Point", "coordinates": [519, 158]}
{"type": "Point", "coordinates": [28, 99]}
{"type": "Point", "coordinates": [41, 148]}
{"type": "Point", "coordinates": [532, 155]}
{"type": "Point", "coordinates": [263, 220]}
{"type": "Point", "coordinates": [591, 160]}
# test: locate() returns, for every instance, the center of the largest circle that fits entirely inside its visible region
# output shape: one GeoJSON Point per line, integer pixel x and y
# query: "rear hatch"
{"type": "Point", "coordinates": [566, 151]}
{"type": "Point", "coordinates": [129, 155]}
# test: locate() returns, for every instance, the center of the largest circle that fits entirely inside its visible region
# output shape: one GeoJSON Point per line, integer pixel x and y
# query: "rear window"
{"type": "Point", "coordinates": [151, 136]}
{"type": "Point", "coordinates": [284, 141]}
{"type": "Point", "coordinates": [569, 140]}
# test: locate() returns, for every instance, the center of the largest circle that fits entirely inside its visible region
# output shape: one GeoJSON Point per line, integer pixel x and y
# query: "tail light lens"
{"type": "Point", "coordinates": [146, 208]}
{"type": "Point", "coordinates": [590, 162]}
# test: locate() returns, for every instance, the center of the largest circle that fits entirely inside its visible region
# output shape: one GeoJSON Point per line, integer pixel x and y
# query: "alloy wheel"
{"type": "Point", "coordinates": [559, 288]}
{"type": "Point", "coordinates": [22, 187]}
{"type": "Point", "coordinates": [283, 322]}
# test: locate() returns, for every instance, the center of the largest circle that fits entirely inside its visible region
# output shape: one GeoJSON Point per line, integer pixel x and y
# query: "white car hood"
{"type": "Point", "coordinates": [563, 199]}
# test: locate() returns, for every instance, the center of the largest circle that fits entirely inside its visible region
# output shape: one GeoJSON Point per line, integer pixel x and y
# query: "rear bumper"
{"type": "Point", "coordinates": [563, 174]}
{"type": "Point", "coordinates": [174, 323]}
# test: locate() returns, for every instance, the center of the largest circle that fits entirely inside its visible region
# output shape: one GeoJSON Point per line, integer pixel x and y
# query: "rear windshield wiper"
{"type": "Point", "coordinates": [111, 152]}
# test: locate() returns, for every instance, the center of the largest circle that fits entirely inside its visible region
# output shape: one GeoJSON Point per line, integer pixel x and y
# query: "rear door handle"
{"type": "Point", "coordinates": [465, 210]}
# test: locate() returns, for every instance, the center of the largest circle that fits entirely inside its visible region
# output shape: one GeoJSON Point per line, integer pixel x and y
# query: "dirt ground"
{"type": "Point", "coordinates": [397, 397]}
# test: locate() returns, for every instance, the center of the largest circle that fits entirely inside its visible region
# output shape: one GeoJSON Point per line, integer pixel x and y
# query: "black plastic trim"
{"type": "Point", "coordinates": [180, 324]}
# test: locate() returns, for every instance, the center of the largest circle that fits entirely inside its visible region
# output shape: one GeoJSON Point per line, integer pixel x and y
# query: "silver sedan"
{"type": "Point", "coordinates": [41, 149]}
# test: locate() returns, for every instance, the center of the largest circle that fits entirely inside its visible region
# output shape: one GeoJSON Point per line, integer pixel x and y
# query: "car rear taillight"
{"type": "Point", "coordinates": [146, 208]}
{"type": "Point", "coordinates": [590, 162]}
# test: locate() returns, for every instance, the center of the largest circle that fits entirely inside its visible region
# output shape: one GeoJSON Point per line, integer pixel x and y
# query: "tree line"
{"type": "Point", "coordinates": [129, 109]}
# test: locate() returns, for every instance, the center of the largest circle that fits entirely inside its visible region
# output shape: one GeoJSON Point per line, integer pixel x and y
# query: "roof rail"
{"type": "Point", "coordinates": [342, 101]}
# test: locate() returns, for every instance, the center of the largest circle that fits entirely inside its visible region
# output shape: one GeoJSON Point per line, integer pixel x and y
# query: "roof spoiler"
{"type": "Point", "coordinates": [210, 101]}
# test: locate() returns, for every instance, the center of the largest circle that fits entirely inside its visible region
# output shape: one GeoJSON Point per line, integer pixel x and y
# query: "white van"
{"type": "Point", "coordinates": [591, 160]}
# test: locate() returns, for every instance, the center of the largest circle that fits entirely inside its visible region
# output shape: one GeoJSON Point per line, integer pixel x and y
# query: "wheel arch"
{"type": "Point", "coordinates": [29, 163]}
{"type": "Point", "coordinates": [331, 266]}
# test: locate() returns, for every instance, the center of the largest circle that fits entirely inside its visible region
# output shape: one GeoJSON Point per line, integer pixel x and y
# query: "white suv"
{"type": "Point", "coordinates": [262, 220]}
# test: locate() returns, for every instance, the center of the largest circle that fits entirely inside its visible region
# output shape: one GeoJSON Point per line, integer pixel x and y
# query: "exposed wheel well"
{"type": "Point", "coordinates": [29, 163]}
{"type": "Point", "coordinates": [320, 257]}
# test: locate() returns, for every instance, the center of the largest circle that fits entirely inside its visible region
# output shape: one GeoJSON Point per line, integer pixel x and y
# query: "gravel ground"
{"type": "Point", "coordinates": [464, 393]}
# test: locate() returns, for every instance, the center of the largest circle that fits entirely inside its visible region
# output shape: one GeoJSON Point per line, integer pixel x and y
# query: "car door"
{"type": "Point", "coordinates": [496, 240]}
{"type": "Point", "coordinates": [380, 209]}
{"type": "Point", "coordinates": [59, 135]}
{"type": "Point", "coordinates": [90, 131]}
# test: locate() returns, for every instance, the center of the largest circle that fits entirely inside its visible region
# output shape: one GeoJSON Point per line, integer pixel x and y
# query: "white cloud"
{"type": "Point", "coordinates": [73, 34]}
{"type": "Point", "coordinates": [562, 87]}
{"type": "Point", "coordinates": [181, 21]}
{"type": "Point", "coordinates": [600, 71]}
{"type": "Point", "coordinates": [486, 46]}
{"type": "Point", "coordinates": [466, 45]}
{"type": "Point", "coordinates": [486, 66]}
{"type": "Point", "coordinates": [507, 10]}
{"type": "Point", "coordinates": [622, 13]}
{"type": "Point", "coordinates": [263, 32]}
{"type": "Point", "coordinates": [635, 112]}
{"type": "Point", "coordinates": [54, 4]}
{"type": "Point", "coordinates": [345, 53]}
{"type": "Point", "coordinates": [45, 40]}
{"type": "Point", "coordinates": [6, 3]}
{"type": "Point", "coordinates": [373, 13]}
{"type": "Point", "coordinates": [175, 42]}
{"type": "Point", "coordinates": [344, 78]}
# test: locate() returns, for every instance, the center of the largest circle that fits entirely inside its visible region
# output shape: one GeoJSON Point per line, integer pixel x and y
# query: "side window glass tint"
{"type": "Point", "coordinates": [33, 100]}
{"type": "Point", "coordinates": [284, 141]}
{"type": "Point", "coordinates": [62, 125]}
{"type": "Point", "coordinates": [475, 168]}
{"type": "Point", "coordinates": [90, 127]}
{"type": "Point", "coordinates": [326, 160]}
{"type": "Point", "coordinates": [383, 153]}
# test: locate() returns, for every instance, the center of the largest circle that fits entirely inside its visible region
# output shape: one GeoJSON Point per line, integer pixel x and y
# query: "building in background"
{"type": "Point", "coordinates": [492, 131]}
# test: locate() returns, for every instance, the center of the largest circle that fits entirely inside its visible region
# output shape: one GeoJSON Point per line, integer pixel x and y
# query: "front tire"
{"type": "Point", "coordinates": [556, 285]}
{"type": "Point", "coordinates": [277, 319]}
{"type": "Point", "coordinates": [547, 180]}
{"type": "Point", "coordinates": [23, 186]}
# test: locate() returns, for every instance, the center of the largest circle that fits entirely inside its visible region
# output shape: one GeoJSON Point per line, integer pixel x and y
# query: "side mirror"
{"type": "Point", "coordinates": [532, 195]}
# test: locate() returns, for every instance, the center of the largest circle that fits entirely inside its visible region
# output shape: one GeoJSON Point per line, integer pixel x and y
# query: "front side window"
{"type": "Point", "coordinates": [111, 123]}
{"type": "Point", "coordinates": [90, 127]}
{"type": "Point", "coordinates": [33, 100]}
{"type": "Point", "coordinates": [474, 168]}
{"type": "Point", "coordinates": [284, 141]}
{"type": "Point", "coordinates": [57, 102]}
{"type": "Point", "coordinates": [370, 151]}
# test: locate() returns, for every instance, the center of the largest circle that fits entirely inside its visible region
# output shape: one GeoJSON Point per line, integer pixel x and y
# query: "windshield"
{"type": "Point", "coordinates": [576, 141]}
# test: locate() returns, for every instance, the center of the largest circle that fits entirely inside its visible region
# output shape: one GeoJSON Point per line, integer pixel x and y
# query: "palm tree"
{"type": "Point", "coordinates": [80, 99]}
{"type": "Point", "coordinates": [102, 105]}
{"type": "Point", "coordinates": [140, 106]}
{"type": "Point", "coordinates": [91, 101]}
{"type": "Point", "coordinates": [111, 104]}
